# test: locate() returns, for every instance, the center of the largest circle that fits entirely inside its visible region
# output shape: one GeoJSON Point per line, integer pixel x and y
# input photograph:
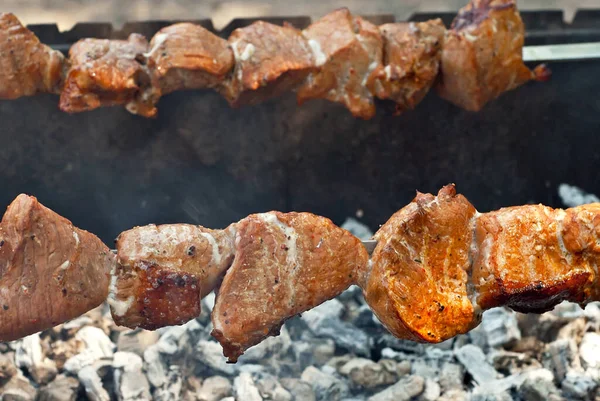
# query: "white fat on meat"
{"type": "Point", "coordinates": [159, 39]}
{"type": "Point", "coordinates": [248, 52]}
{"type": "Point", "coordinates": [291, 236]}
{"type": "Point", "coordinates": [315, 47]}
{"type": "Point", "coordinates": [118, 307]}
{"type": "Point", "coordinates": [216, 255]}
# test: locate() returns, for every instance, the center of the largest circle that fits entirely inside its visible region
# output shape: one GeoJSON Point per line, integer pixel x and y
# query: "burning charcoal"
{"type": "Point", "coordinates": [214, 388]}
{"type": "Point", "coordinates": [454, 395]}
{"type": "Point", "coordinates": [7, 367]}
{"type": "Point", "coordinates": [270, 389]}
{"type": "Point", "coordinates": [365, 319]}
{"type": "Point", "coordinates": [451, 376]}
{"type": "Point", "coordinates": [30, 356]}
{"type": "Point", "coordinates": [406, 388]}
{"type": "Point", "coordinates": [269, 348]}
{"type": "Point", "coordinates": [404, 368]}
{"type": "Point", "coordinates": [63, 388]}
{"type": "Point", "coordinates": [18, 388]}
{"type": "Point", "coordinates": [245, 389]}
{"type": "Point", "coordinates": [325, 385]}
{"type": "Point", "coordinates": [367, 374]}
{"type": "Point", "coordinates": [210, 354]}
{"type": "Point", "coordinates": [501, 327]}
{"type": "Point", "coordinates": [559, 356]}
{"type": "Point", "coordinates": [357, 228]}
{"type": "Point", "coordinates": [155, 366]}
{"type": "Point", "coordinates": [432, 391]}
{"type": "Point", "coordinates": [578, 385]}
{"type": "Point", "coordinates": [538, 385]}
{"type": "Point", "coordinates": [317, 351]}
{"type": "Point", "coordinates": [589, 350]}
{"type": "Point", "coordinates": [473, 359]}
{"type": "Point", "coordinates": [130, 381]}
{"type": "Point", "coordinates": [324, 321]}
{"type": "Point", "coordinates": [172, 390]}
{"type": "Point", "coordinates": [97, 345]}
{"type": "Point", "coordinates": [483, 394]}
{"type": "Point", "coordinates": [136, 341]}
{"type": "Point", "coordinates": [89, 378]}
{"type": "Point", "coordinates": [300, 390]}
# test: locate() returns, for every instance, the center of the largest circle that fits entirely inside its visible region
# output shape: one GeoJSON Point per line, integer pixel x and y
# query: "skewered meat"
{"type": "Point", "coordinates": [50, 271]}
{"type": "Point", "coordinates": [109, 72]}
{"type": "Point", "coordinates": [411, 65]}
{"type": "Point", "coordinates": [188, 56]}
{"type": "Point", "coordinates": [347, 51]}
{"type": "Point", "coordinates": [419, 285]}
{"type": "Point", "coordinates": [482, 54]}
{"type": "Point", "coordinates": [285, 264]}
{"type": "Point", "coordinates": [27, 66]}
{"type": "Point", "coordinates": [269, 60]}
{"type": "Point", "coordinates": [437, 265]}
{"type": "Point", "coordinates": [340, 57]}
{"type": "Point", "coordinates": [163, 272]}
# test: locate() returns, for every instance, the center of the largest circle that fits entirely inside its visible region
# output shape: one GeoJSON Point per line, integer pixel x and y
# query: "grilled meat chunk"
{"type": "Point", "coordinates": [412, 53]}
{"type": "Point", "coordinates": [482, 56]}
{"type": "Point", "coordinates": [269, 60]}
{"type": "Point", "coordinates": [164, 271]}
{"type": "Point", "coordinates": [109, 72]}
{"type": "Point", "coordinates": [188, 56]}
{"type": "Point", "coordinates": [285, 264]}
{"type": "Point", "coordinates": [50, 271]}
{"type": "Point", "coordinates": [530, 258]}
{"type": "Point", "coordinates": [347, 50]}
{"type": "Point", "coordinates": [27, 66]}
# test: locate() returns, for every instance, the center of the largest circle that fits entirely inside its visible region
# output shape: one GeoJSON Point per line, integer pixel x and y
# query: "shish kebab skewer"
{"type": "Point", "coordinates": [437, 265]}
{"type": "Point", "coordinates": [473, 62]}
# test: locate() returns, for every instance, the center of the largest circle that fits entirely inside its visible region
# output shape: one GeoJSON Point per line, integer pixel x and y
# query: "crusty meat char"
{"type": "Point", "coordinates": [164, 271]}
{"type": "Point", "coordinates": [285, 264]}
{"type": "Point", "coordinates": [27, 66]}
{"type": "Point", "coordinates": [50, 271]}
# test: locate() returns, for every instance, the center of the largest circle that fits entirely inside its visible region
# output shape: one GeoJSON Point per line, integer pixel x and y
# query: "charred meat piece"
{"type": "Point", "coordinates": [285, 264]}
{"type": "Point", "coordinates": [109, 72]}
{"type": "Point", "coordinates": [482, 56]}
{"type": "Point", "coordinates": [347, 51]}
{"type": "Point", "coordinates": [164, 271]}
{"type": "Point", "coordinates": [27, 66]}
{"type": "Point", "coordinates": [269, 60]}
{"type": "Point", "coordinates": [530, 258]}
{"type": "Point", "coordinates": [187, 56]}
{"type": "Point", "coordinates": [50, 271]}
{"type": "Point", "coordinates": [418, 285]}
{"type": "Point", "coordinates": [412, 55]}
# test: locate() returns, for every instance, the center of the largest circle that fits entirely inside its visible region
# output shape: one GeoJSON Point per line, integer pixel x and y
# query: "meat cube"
{"type": "Point", "coordinates": [110, 72]}
{"type": "Point", "coordinates": [50, 271]}
{"type": "Point", "coordinates": [348, 51]}
{"type": "Point", "coordinates": [419, 283]}
{"type": "Point", "coordinates": [412, 53]}
{"type": "Point", "coordinates": [187, 56]}
{"type": "Point", "coordinates": [27, 66]}
{"type": "Point", "coordinates": [269, 60]}
{"type": "Point", "coordinates": [285, 264]}
{"type": "Point", "coordinates": [482, 56]}
{"type": "Point", "coordinates": [533, 257]}
{"type": "Point", "coordinates": [164, 271]}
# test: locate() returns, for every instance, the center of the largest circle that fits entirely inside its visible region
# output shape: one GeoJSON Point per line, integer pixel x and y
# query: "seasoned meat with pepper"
{"type": "Point", "coordinates": [164, 271]}
{"type": "Point", "coordinates": [110, 72]}
{"type": "Point", "coordinates": [412, 53]}
{"type": "Point", "coordinates": [482, 56]}
{"type": "Point", "coordinates": [188, 56]}
{"type": "Point", "coordinates": [285, 264]}
{"type": "Point", "coordinates": [50, 271]}
{"type": "Point", "coordinates": [419, 283]}
{"type": "Point", "coordinates": [27, 66]}
{"type": "Point", "coordinates": [269, 60]}
{"type": "Point", "coordinates": [347, 50]}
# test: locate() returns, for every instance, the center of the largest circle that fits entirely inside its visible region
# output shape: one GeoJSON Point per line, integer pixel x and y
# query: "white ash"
{"type": "Point", "coordinates": [573, 196]}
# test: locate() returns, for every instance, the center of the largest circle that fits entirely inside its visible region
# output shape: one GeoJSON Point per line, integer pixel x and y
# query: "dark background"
{"type": "Point", "coordinates": [202, 162]}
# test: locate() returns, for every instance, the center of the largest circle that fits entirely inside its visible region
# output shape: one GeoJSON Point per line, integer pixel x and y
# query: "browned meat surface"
{"type": "Point", "coordinates": [187, 56]}
{"type": "Point", "coordinates": [412, 53]}
{"type": "Point", "coordinates": [530, 258]}
{"type": "Point", "coordinates": [109, 72]}
{"type": "Point", "coordinates": [482, 55]}
{"type": "Point", "coordinates": [27, 66]}
{"type": "Point", "coordinates": [285, 264]}
{"type": "Point", "coordinates": [420, 267]}
{"type": "Point", "coordinates": [347, 51]}
{"type": "Point", "coordinates": [50, 271]}
{"type": "Point", "coordinates": [269, 60]}
{"type": "Point", "coordinates": [164, 271]}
